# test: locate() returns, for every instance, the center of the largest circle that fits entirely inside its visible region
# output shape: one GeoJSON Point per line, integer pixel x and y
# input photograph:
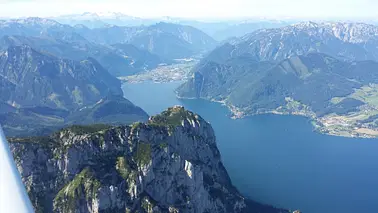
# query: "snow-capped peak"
{"type": "Point", "coordinates": [97, 16]}
{"type": "Point", "coordinates": [307, 24]}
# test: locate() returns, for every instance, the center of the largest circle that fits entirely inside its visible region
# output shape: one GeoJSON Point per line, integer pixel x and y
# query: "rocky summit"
{"type": "Point", "coordinates": [171, 163]}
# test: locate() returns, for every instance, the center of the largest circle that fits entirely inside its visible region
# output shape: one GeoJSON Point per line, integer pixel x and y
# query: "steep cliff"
{"type": "Point", "coordinates": [169, 164]}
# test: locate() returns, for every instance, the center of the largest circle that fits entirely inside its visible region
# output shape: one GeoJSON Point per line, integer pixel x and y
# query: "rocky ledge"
{"type": "Point", "coordinates": [169, 164]}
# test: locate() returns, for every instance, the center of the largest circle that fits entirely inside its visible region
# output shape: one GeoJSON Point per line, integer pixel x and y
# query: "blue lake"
{"type": "Point", "coordinates": [280, 160]}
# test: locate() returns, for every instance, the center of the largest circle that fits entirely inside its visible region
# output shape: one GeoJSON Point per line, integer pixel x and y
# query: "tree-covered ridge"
{"type": "Point", "coordinates": [323, 87]}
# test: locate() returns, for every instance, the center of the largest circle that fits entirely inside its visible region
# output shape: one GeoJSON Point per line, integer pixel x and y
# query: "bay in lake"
{"type": "Point", "coordinates": [280, 160]}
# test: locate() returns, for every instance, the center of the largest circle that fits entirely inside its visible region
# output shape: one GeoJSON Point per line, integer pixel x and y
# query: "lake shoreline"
{"type": "Point", "coordinates": [328, 125]}
{"type": "Point", "coordinates": [319, 124]}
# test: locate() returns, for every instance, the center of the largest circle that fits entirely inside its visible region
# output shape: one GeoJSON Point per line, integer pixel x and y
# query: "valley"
{"type": "Point", "coordinates": [164, 73]}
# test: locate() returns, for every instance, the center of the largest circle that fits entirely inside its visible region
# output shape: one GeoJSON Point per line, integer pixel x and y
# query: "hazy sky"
{"type": "Point", "coordinates": [196, 8]}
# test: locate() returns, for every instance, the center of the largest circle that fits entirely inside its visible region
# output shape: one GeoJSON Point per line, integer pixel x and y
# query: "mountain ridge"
{"type": "Point", "coordinates": [345, 41]}
{"type": "Point", "coordinates": [41, 93]}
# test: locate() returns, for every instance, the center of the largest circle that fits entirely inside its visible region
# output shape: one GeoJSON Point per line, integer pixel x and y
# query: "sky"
{"type": "Point", "coordinates": [222, 9]}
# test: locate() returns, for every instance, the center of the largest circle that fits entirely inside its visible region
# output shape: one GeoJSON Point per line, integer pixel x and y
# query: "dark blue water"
{"type": "Point", "coordinates": [279, 160]}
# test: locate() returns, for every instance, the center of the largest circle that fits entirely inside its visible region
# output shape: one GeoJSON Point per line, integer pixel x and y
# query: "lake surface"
{"type": "Point", "coordinates": [280, 160]}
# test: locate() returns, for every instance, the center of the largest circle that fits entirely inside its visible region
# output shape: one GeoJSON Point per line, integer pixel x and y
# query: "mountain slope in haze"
{"type": "Point", "coordinates": [169, 164]}
{"type": "Point", "coordinates": [139, 58]}
{"type": "Point", "coordinates": [39, 27]}
{"type": "Point", "coordinates": [112, 109]}
{"type": "Point", "coordinates": [108, 35]}
{"type": "Point", "coordinates": [169, 41]}
{"type": "Point", "coordinates": [45, 80]}
{"type": "Point", "coordinates": [219, 30]}
{"type": "Point", "coordinates": [347, 41]}
{"type": "Point", "coordinates": [315, 85]}
{"type": "Point", "coordinates": [241, 29]}
{"type": "Point", "coordinates": [40, 93]}
{"type": "Point", "coordinates": [173, 41]}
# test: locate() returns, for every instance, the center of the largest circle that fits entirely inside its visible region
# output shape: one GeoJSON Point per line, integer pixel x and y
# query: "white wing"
{"type": "Point", "coordinates": [13, 196]}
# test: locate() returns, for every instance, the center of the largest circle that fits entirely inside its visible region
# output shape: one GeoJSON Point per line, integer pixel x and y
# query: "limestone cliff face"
{"type": "Point", "coordinates": [169, 164]}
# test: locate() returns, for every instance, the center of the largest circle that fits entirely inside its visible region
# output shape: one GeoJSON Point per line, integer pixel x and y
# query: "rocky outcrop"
{"type": "Point", "coordinates": [169, 164]}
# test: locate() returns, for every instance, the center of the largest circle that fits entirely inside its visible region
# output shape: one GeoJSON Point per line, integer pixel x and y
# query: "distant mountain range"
{"type": "Point", "coordinates": [347, 41]}
{"type": "Point", "coordinates": [217, 29]}
{"type": "Point", "coordinates": [116, 63]}
{"type": "Point", "coordinates": [321, 70]}
{"type": "Point", "coordinates": [63, 41]}
{"type": "Point", "coordinates": [163, 40]}
{"type": "Point", "coordinates": [170, 41]}
{"type": "Point", "coordinates": [98, 20]}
